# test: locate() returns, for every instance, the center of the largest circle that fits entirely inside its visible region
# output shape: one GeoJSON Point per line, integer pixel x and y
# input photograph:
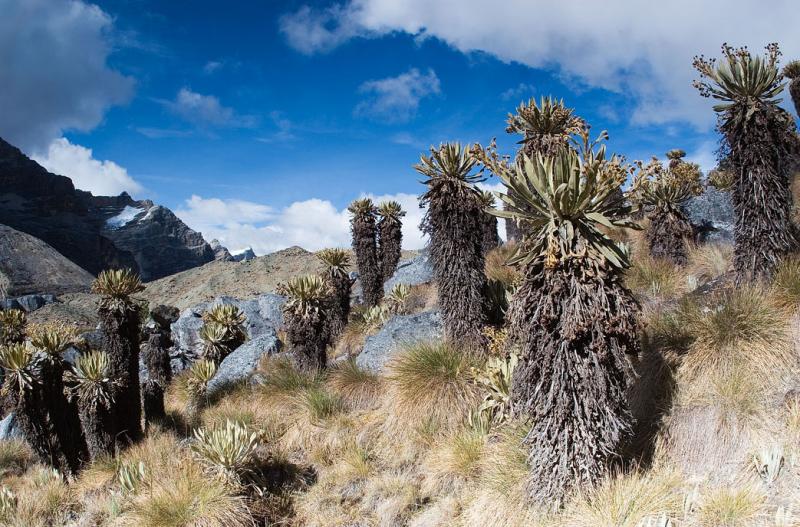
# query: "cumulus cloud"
{"type": "Point", "coordinates": [521, 91]}
{"type": "Point", "coordinates": [396, 99]}
{"type": "Point", "coordinates": [101, 178]}
{"type": "Point", "coordinates": [643, 49]}
{"type": "Point", "coordinates": [54, 72]}
{"type": "Point", "coordinates": [312, 224]}
{"type": "Point", "coordinates": [206, 110]}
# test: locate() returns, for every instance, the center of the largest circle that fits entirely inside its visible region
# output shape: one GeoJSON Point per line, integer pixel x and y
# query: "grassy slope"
{"type": "Point", "coordinates": [718, 436]}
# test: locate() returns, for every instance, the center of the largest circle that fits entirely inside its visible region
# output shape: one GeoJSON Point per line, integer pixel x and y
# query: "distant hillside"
{"type": "Point", "coordinates": [28, 265]}
{"type": "Point", "coordinates": [95, 232]}
{"type": "Point", "coordinates": [238, 279]}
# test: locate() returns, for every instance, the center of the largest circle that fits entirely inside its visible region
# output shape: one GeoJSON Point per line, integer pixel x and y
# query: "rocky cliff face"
{"type": "Point", "coordinates": [28, 266]}
{"type": "Point", "coordinates": [95, 232]}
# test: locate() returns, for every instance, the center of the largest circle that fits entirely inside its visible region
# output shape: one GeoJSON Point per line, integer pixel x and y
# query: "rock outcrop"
{"type": "Point", "coordinates": [27, 303]}
{"type": "Point", "coordinates": [95, 232]}
{"type": "Point", "coordinates": [414, 271]}
{"type": "Point", "coordinates": [30, 266]}
{"type": "Point", "coordinates": [264, 316]}
{"type": "Point", "coordinates": [245, 255]}
{"type": "Point", "coordinates": [711, 214]}
{"type": "Point", "coordinates": [240, 365]}
{"type": "Point", "coordinates": [221, 253]}
{"type": "Point", "coordinates": [397, 333]}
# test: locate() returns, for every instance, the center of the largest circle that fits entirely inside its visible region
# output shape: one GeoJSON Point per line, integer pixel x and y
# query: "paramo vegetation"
{"type": "Point", "coordinates": [602, 367]}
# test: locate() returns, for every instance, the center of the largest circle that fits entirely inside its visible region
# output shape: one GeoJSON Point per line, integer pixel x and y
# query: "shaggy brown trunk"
{"type": "Point", "coordinates": [794, 90]}
{"type": "Point", "coordinates": [63, 416]}
{"type": "Point", "coordinates": [121, 343]}
{"type": "Point", "coordinates": [575, 328]}
{"type": "Point", "coordinates": [454, 224]}
{"type": "Point", "coordinates": [155, 355]}
{"type": "Point", "coordinates": [98, 426]}
{"type": "Point", "coordinates": [34, 423]}
{"type": "Point", "coordinates": [366, 249]}
{"type": "Point", "coordinates": [668, 235]}
{"type": "Point", "coordinates": [513, 232]}
{"type": "Point", "coordinates": [390, 233]}
{"type": "Point", "coordinates": [762, 153]}
{"type": "Point", "coordinates": [339, 308]}
{"type": "Point", "coordinates": [308, 340]}
{"type": "Point", "coordinates": [490, 239]}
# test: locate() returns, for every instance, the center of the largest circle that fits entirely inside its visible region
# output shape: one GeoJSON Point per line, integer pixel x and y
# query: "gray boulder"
{"type": "Point", "coordinates": [8, 428]}
{"type": "Point", "coordinates": [711, 213]}
{"type": "Point", "coordinates": [264, 315]}
{"type": "Point", "coordinates": [415, 271]}
{"type": "Point", "coordinates": [239, 365]}
{"type": "Point", "coordinates": [397, 333]}
{"type": "Point", "coordinates": [27, 303]}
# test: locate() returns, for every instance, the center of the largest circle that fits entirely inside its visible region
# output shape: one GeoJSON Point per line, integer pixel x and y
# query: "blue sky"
{"type": "Point", "coordinates": [260, 121]}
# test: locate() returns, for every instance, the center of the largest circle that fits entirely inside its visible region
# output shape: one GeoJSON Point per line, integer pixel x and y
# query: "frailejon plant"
{"type": "Point", "coordinates": [157, 361]}
{"type": "Point", "coordinates": [23, 389]}
{"type": "Point", "coordinates": [664, 191]}
{"type": "Point", "coordinates": [365, 246]}
{"type": "Point", "coordinates": [572, 319]}
{"type": "Point", "coordinates": [545, 128]}
{"type": "Point", "coordinates": [306, 318]}
{"type": "Point", "coordinates": [398, 298]}
{"type": "Point", "coordinates": [759, 146]}
{"type": "Point", "coordinates": [453, 221]}
{"type": "Point", "coordinates": [51, 341]}
{"type": "Point", "coordinates": [198, 376]}
{"type": "Point", "coordinates": [93, 389]}
{"type": "Point", "coordinates": [792, 72]}
{"type": "Point", "coordinates": [337, 262]}
{"type": "Point", "coordinates": [490, 238]}
{"type": "Point", "coordinates": [223, 331]}
{"type": "Point", "coordinates": [12, 326]}
{"type": "Point", "coordinates": [119, 322]}
{"type": "Point", "coordinates": [228, 451]}
{"type": "Point", "coordinates": [390, 236]}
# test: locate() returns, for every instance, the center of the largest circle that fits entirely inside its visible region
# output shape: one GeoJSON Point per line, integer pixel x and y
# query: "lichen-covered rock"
{"type": "Point", "coordinates": [27, 303]}
{"type": "Point", "coordinates": [397, 333]}
{"type": "Point", "coordinates": [239, 365]}
{"type": "Point", "coordinates": [415, 271]}
{"type": "Point", "coordinates": [263, 315]}
{"type": "Point", "coordinates": [711, 214]}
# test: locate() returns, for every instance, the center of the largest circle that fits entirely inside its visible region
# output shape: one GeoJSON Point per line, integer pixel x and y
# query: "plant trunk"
{"type": "Point", "coordinates": [366, 249]}
{"type": "Point", "coordinates": [794, 90]}
{"type": "Point", "coordinates": [762, 154]}
{"type": "Point", "coordinates": [575, 327]}
{"type": "Point", "coordinates": [34, 424]}
{"type": "Point", "coordinates": [668, 235]}
{"type": "Point", "coordinates": [339, 308]}
{"type": "Point", "coordinates": [98, 426]}
{"type": "Point", "coordinates": [63, 416]}
{"type": "Point", "coordinates": [155, 353]}
{"type": "Point", "coordinates": [308, 340]}
{"type": "Point", "coordinates": [391, 242]}
{"type": "Point", "coordinates": [121, 343]}
{"type": "Point", "coordinates": [455, 226]}
{"type": "Point", "coordinates": [491, 239]}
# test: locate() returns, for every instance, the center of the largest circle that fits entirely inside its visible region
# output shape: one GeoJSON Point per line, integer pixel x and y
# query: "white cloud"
{"type": "Point", "coordinates": [211, 67]}
{"type": "Point", "coordinates": [522, 91]}
{"type": "Point", "coordinates": [53, 70]}
{"type": "Point", "coordinates": [312, 224]}
{"type": "Point", "coordinates": [101, 178]}
{"type": "Point", "coordinates": [396, 99]}
{"type": "Point", "coordinates": [312, 31]}
{"type": "Point", "coordinates": [643, 49]}
{"type": "Point", "coordinates": [206, 110]}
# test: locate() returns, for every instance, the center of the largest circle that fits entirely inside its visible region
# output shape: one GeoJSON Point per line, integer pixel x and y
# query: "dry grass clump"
{"type": "Point", "coordinates": [745, 325]}
{"type": "Point", "coordinates": [42, 498]}
{"type": "Point", "coordinates": [188, 497]}
{"type": "Point", "coordinates": [732, 506]}
{"type": "Point", "coordinates": [358, 388]}
{"type": "Point", "coordinates": [786, 283]}
{"type": "Point", "coordinates": [656, 278]}
{"type": "Point", "coordinates": [497, 267]}
{"type": "Point", "coordinates": [709, 261]}
{"type": "Point", "coordinates": [430, 384]}
{"type": "Point", "coordinates": [628, 500]}
{"type": "Point", "coordinates": [453, 463]}
{"type": "Point", "coordinates": [15, 457]}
